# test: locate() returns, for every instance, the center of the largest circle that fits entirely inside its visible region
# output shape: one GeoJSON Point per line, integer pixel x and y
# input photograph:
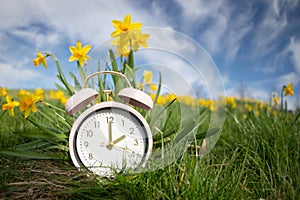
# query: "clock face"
{"type": "Point", "coordinates": [110, 139]}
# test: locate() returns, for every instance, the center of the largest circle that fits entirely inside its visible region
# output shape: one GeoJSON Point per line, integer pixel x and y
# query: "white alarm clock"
{"type": "Point", "coordinates": [110, 137]}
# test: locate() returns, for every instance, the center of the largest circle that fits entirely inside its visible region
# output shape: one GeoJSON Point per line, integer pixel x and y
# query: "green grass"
{"type": "Point", "coordinates": [255, 158]}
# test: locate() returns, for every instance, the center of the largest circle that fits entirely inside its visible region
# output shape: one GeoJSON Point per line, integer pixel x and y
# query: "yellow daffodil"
{"type": "Point", "coordinates": [276, 100]}
{"type": "Point", "coordinates": [248, 107]}
{"type": "Point", "coordinates": [153, 87]}
{"type": "Point", "coordinates": [288, 90]}
{"type": "Point", "coordinates": [231, 101]}
{"type": "Point", "coordinates": [122, 46]}
{"type": "Point", "coordinates": [147, 77]}
{"type": "Point", "coordinates": [3, 92]}
{"type": "Point", "coordinates": [140, 86]}
{"type": "Point", "coordinates": [188, 100]}
{"type": "Point", "coordinates": [40, 93]}
{"type": "Point", "coordinates": [23, 92]}
{"type": "Point", "coordinates": [161, 100]}
{"type": "Point", "coordinates": [59, 95]}
{"type": "Point", "coordinates": [10, 105]}
{"type": "Point", "coordinates": [79, 53]}
{"type": "Point", "coordinates": [27, 102]}
{"type": "Point", "coordinates": [171, 97]}
{"type": "Point", "coordinates": [40, 58]}
{"type": "Point", "coordinates": [124, 26]}
{"type": "Point", "coordinates": [139, 40]}
{"type": "Point", "coordinates": [152, 96]}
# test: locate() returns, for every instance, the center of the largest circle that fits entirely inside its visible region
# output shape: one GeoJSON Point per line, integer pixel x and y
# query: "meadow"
{"type": "Point", "coordinates": [256, 157]}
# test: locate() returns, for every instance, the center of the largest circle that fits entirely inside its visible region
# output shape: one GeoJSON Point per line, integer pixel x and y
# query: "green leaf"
{"type": "Point", "coordinates": [208, 133]}
{"type": "Point", "coordinates": [61, 88]}
{"type": "Point", "coordinates": [31, 154]}
{"type": "Point", "coordinates": [131, 59]}
{"type": "Point", "coordinates": [40, 135]}
{"type": "Point", "coordinates": [158, 111]}
{"type": "Point", "coordinates": [190, 125]}
{"type": "Point", "coordinates": [81, 72]}
{"type": "Point", "coordinates": [63, 79]}
{"type": "Point", "coordinates": [158, 89]}
{"type": "Point", "coordinates": [296, 118]}
{"type": "Point", "coordinates": [102, 88]}
{"type": "Point", "coordinates": [52, 132]}
{"type": "Point", "coordinates": [130, 72]}
{"type": "Point", "coordinates": [76, 82]}
{"type": "Point", "coordinates": [36, 144]}
{"type": "Point", "coordinates": [114, 65]}
{"type": "Point", "coordinates": [2, 113]}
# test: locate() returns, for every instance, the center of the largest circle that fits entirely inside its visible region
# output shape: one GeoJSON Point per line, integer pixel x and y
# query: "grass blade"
{"type": "Point", "coordinates": [30, 154]}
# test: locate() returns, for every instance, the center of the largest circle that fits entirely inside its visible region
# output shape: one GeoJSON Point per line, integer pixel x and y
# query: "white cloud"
{"type": "Point", "coordinates": [268, 31]}
{"type": "Point", "coordinates": [285, 79]}
{"type": "Point", "coordinates": [11, 76]}
{"type": "Point", "coordinates": [32, 36]}
{"type": "Point", "coordinates": [91, 20]}
{"type": "Point", "coordinates": [199, 10]}
{"type": "Point", "coordinates": [294, 48]}
{"type": "Point", "coordinates": [212, 13]}
{"type": "Point", "coordinates": [187, 57]}
{"type": "Point", "coordinates": [276, 7]}
{"type": "Point", "coordinates": [214, 34]}
{"type": "Point", "coordinates": [15, 13]}
{"type": "Point", "coordinates": [53, 25]}
{"type": "Point", "coordinates": [224, 26]}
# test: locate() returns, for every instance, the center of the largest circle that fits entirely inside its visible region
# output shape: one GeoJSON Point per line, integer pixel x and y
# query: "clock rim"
{"type": "Point", "coordinates": [109, 104]}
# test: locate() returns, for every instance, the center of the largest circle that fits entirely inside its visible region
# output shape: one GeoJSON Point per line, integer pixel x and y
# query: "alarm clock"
{"type": "Point", "coordinates": [110, 137]}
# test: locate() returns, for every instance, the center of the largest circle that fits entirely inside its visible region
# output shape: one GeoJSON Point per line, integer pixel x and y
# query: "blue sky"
{"type": "Point", "coordinates": [254, 44]}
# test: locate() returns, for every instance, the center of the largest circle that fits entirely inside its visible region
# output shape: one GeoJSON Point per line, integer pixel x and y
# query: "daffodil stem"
{"type": "Point", "coordinates": [158, 90]}
{"type": "Point", "coordinates": [52, 106]}
{"type": "Point", "coordinates": [296, 118]}
{"type": "Point", "coordinates": [62, 119]}
{"type": "Point", "coordinates": [81, 72]}
{"type": "Point", "coordinates": [44, 115]}
{"type": "Point", "coordinates": [281, 102]}
{"type": "Point", "coordinates": [62, 77]}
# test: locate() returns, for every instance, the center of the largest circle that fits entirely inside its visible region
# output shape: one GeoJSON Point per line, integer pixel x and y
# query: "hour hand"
{"type": "Point", "coordinates": [119, 139]}
{"type": "Point", "coordinates": [111, 144]}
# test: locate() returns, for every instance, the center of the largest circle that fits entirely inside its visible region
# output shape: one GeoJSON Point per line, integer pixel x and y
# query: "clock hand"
{"type": "Point", "coordinates": [119, 139]}
{"type": "Point", "coordinates": [109, 132]}
{"type": "Point", "coordinates": [118, 147]}
{"type": "Point", "coordinates": [111, 144]}
{"type": "Point", "coordinates": [124, 149]}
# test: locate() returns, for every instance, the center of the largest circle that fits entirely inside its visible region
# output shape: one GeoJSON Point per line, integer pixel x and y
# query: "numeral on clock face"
{"type": "Point", "coordinates": [97, 124]}
{"type": "Point", "coordinates": [131, 130]}
{"type": "Point", "coordinates": [86, 144]}
{"type": "Point", "coordinates": [110, 119]}
{"type": "Point", "coordinates": [135, 142]}
{"type": "Point", "coordinates": [89, 133]}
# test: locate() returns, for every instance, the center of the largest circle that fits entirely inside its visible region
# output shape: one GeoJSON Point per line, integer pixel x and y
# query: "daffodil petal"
{"type": "Point", "coordinates": [135, 25]}
{"type": "Point", "coordinates": [27, 112]}
{"type": "Point", "coordinates": [127, 19]}
{"type": "Point", "coordinates": [86, 48]}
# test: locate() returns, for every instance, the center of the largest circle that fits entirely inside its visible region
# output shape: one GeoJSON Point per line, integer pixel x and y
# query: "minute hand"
{"type": "Point", "coordinates": [109, 132]}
